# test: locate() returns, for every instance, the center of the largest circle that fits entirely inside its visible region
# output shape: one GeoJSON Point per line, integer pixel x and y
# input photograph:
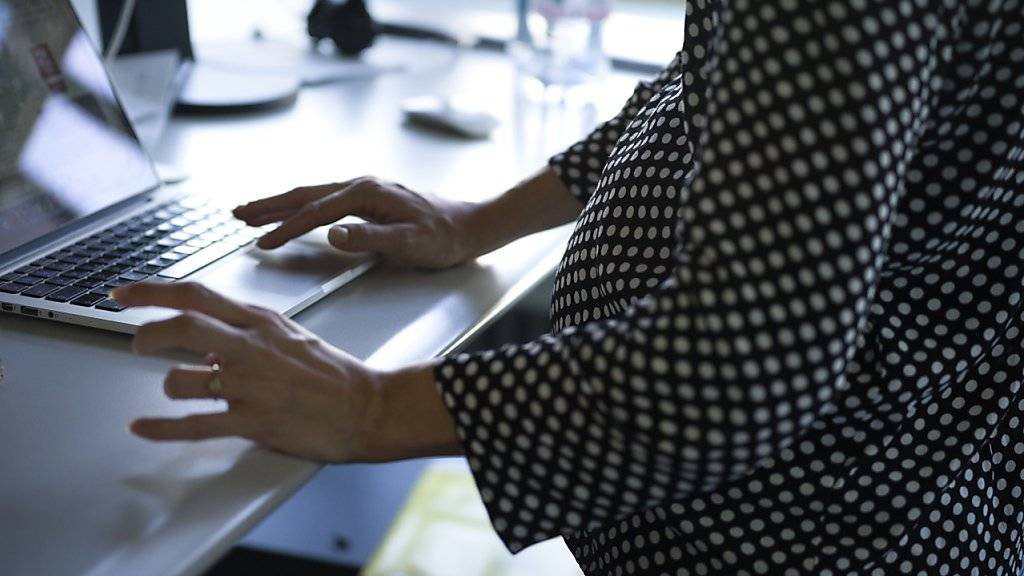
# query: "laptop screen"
{"type": "Point", "coordinates": [66, 150]}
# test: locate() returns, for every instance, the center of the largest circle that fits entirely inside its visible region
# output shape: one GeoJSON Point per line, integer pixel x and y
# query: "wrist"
{"type": "Point", "coordinates": [535, 204]}
{"type": "Point", "coordinates": [481, 228]}
{"type": "Point", "coordinates": [405, 417]}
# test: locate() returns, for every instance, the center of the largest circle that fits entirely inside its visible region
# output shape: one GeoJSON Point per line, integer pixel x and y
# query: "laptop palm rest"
{"type": "Point", "coordinates": [282, 278]}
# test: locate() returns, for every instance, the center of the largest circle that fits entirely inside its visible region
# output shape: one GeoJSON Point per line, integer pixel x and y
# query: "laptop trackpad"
{"type": "Point", "coordinates": [277, 278]}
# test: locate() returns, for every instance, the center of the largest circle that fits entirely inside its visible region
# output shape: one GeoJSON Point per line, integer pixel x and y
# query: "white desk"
{"type": "Point", "coordinates": [79, 495]}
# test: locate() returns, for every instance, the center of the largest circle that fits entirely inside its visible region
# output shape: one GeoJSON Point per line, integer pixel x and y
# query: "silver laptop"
{"type": "Point", "coordinates": [82, 210]}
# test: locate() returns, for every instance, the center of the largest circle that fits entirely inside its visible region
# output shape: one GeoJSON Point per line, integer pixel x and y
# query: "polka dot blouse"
{"type": "Point", "coordinates": [788, 325]}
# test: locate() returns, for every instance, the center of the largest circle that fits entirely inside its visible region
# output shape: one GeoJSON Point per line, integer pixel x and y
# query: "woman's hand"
{"type": "Point", "coordinates": [401, 225]}
{"type": "Point", "coordinates": [285, 388]}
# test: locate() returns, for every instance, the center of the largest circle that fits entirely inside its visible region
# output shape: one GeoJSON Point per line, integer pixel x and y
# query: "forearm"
{"type": "Point", "coordinates": [406, 418]}
{"type": "Point", "coordinates": [538, 203]}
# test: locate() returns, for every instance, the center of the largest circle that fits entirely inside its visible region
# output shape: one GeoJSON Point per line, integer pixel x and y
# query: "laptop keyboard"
{"type": "Point", "coordinates": [166, 244]}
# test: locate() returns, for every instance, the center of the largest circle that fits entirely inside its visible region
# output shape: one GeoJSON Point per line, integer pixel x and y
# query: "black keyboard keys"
{"type": "Point", "coordinates": [62, 281]}
{"type": "Point", "coordinates": [66, 294]}
{"type": "Point", "coordinates": [110, 306]}
{"type": "Point", "coordinates": [13, 287]}
{"type": "Point", "coordinates": [59, 266]}
{"type": "Point", "coordinates": [40, 290]}
{"type": "Point", "coordinates": [88, 300]}
{"type": "Point", "coordinates": [134, 276]}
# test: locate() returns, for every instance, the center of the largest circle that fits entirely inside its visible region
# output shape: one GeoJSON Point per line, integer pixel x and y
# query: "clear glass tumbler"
{"type": "Point", "coordinates": [559, 42]}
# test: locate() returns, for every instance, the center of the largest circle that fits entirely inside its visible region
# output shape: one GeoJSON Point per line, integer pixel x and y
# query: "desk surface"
{"type": "Point", "coordinates": [79, 495]}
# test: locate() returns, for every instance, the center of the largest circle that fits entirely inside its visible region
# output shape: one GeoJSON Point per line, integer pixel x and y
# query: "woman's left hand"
{"type": "Point", "coordinates": [285, 388]}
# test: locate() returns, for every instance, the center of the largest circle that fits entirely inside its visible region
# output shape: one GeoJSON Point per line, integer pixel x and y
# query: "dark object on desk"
{"type": "Point", "coordinates": [155, 25]}
{"type": "Point", "coordinates": [347, 24]}
{"type": "Point", "coordinates": [246, 561]}
{"type": "Point", "coordinates": [162, 25]}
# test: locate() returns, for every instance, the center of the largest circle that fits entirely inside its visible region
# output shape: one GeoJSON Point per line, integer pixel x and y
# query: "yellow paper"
{"type": "Point", "coordinates": [443, 530]}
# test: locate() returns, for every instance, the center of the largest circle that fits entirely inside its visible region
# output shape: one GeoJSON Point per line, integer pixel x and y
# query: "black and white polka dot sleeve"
{"type": "Point", "coordinates": [790, 159]}
{"type": "Point", "coordinates": [580, 166]}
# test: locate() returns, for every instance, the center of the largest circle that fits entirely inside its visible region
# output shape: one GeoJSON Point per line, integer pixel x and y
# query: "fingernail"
{"type": "Point", "coordinates": [117, 293]}
{"type": "Point", "coordinates": [339, 233]}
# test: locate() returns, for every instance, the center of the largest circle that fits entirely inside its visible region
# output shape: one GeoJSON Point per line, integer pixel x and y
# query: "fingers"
{"type": "Point", "coordinates": [288, 202]}
{"type": "Point", "coordinates": [189, 331]}
{"type": "Point", "coordinates": [193, 383]}
{"type": "Point", "coordinates": [270, 217]}
{"type": "Point", "coordinates": [197, 427]}
{"type": "Point", "coordinates": [187, 296]}
{"type": "Point", "coordinates": [377, 238]}
{"type": "Point", "coordinates": [315, 214]}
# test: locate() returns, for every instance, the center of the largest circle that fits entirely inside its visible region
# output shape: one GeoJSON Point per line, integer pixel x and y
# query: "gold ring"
{"type": "Point", "coordinates": [215, 386]}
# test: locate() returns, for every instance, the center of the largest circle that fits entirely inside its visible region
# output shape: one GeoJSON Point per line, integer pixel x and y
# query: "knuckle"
{"type": "Point", "coordinates": [368, 185]}
{"type": "Point", "coordinates": [194, 290]}
{"type": "Point", "coordinates": [288, 342]}
{"type": "Point", "coordinates": [260, 311]}
{"type": "Point", "coordinates": [308, 212]}
{"type": "Point", "coordinates": [404, 240]}
{"type": "Point", "coordinates": [266, 316]}
{"type": "Point", "coordinates": [187, 322]}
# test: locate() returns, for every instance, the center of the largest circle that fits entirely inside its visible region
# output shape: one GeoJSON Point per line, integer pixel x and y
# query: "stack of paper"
{"type": "Point", "coordinates": [443, 530]}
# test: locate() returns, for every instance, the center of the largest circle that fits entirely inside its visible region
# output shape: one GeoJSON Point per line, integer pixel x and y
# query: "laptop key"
{"type": "Point", "coordinates": [199, 260]}
{"type": "Point", "coordinates": [134, 276]}
{"type": "Point", "coordinates": [66, 294]}
{"type": "Point", "coordinates": [13, 287]}
{"type": "Point", "coordinates": [44, 273]}
{"type": "Point", "coordinates": [40, 290]}
{"type": "Point", "coordinates": [59, 266]}
{"type": "Point", "coordinates": [76, 274]}
{"type": "Point", "coordinates": [172, 256]}
{"type": "Point", "coordinates": [73, 259]}
{"type": "Point", "coordinates": [110, 305]}
{"type": "Point", "coordinates": [30, 279]}
{"type": "Point", "coordinates": [88, 300]}
{"type": "Point", "coordinates": [159, 263]}
{"type": "Point", "coordinates": [238, 239]}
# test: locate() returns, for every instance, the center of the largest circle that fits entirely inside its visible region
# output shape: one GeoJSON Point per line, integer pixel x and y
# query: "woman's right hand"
{"type": "Point", "coordinates": [401, 225]}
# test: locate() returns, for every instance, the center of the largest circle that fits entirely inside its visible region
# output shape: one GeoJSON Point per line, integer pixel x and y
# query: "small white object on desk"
{"type": "Point", "coordinates": [452, 115]}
